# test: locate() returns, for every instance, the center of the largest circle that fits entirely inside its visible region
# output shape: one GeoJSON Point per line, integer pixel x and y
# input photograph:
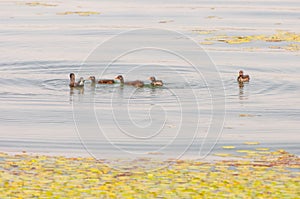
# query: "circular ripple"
{"type": "Point", "coordinates": [158, 119]}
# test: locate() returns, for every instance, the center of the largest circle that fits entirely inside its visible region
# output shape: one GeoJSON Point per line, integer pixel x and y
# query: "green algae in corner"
{"type": "Point", "coordinates": [80, 13]}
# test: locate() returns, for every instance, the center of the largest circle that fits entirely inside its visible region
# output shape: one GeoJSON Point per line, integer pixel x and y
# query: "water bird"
{"type": "Point", "coordinates": [101, 81]}
{"type": "Point", "coordinates": [73, 83]}
{"type": "Point", "coordinates": [136, 83]}
{"type": "Point", "coordinates": [242, 77]}
{"type": "Point", "coordinates": [155, 82]}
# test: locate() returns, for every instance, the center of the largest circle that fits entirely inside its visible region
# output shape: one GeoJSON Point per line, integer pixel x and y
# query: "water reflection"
{"type": "Point", "coordinates": [154, 91]}
{"type": "Point", "coordinates": [76, 90]}
{"type": "Point", "coordinates": [93, 85]}
{"type": "Point", "coordinates": [241, 91]}
{"type": "Point", "coordinates": [120, 91]}
{"type": "Point", "coordinates": [241, 85]}
{"type": "Point", "coordinates": [79, 90]}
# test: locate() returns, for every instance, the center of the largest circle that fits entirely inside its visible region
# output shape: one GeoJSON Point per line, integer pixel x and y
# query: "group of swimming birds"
{"type": "Point", "coordinates": [137, 83]}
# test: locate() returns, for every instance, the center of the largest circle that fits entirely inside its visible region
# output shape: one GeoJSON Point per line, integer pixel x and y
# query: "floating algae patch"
{"type": "Point", "coordinates": [213, 17]}
{"type": "Point", "coordinates": [245, 151]}
{"type": "Point", "coordinates": [262, 149]}
{"type": "Point", "coordinates": [268, 176]}
{"type": "Point", "coordinates": [166, 21]}
{"type": "Point", "coordinates": [80, 13]}
{"type": "Point", "coordinates": [39, 4]}
{"type": "Point", "coordinates": [206, 43]}
{"type": "Point", "coordinates": [292, 47]}
{"type": "Point", "coordinates": [228, 147]}
{"type": "Point", "coordinates": [279, 36]}
{"type": "Point", "coordinates": [246, 115]}
{"type": "Point", "coordinates": [203, 32]}
{"type": "Point", "coordinates": [251, 143]}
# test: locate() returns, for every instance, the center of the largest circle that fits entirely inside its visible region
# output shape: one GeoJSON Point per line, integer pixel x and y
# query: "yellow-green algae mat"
{"type": "Point", "coordinates": [269, 174]}
{"type": "Point", "coordinates": [290, 39]}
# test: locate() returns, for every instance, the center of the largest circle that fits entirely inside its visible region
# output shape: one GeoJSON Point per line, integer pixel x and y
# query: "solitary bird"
{"type": "Point", "coordinates": [73, 83]}
{"type": "Point", "coordinates": [155, 82]}
{"type": "Point", "coordinates": [136, 83]}
{"type": "Point", "coordinates": [101, 81]}
{"type": "Point", "coordinates": [243, 78]}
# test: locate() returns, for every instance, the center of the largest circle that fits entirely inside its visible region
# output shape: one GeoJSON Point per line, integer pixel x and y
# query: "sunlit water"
{"type": "Point", "coordinates": [40, 113]}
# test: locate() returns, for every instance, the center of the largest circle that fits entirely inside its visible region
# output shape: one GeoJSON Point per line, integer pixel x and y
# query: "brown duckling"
{"type": "Point", "coordinates": [155, 82]}
{"type": "Point", "coordinates": [73, 83]}
{"type": "Point", "coordinates": [136, 83]}
{"type": "Point", "coordinates": [101, 81]}
{"type": "Point", "coordinates": [242, 77]}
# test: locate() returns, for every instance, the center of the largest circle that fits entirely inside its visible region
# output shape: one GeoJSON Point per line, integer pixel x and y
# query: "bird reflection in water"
{"type": "Point", "coordinates": [73, 91]}
{"type": "Point", "coordinates": [79, 91]}
{"type": "Point", "coordinates": [242, 94]}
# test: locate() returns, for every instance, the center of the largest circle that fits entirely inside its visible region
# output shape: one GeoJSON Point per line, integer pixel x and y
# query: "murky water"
{"type": "Point", "coordinates": [40, 113]}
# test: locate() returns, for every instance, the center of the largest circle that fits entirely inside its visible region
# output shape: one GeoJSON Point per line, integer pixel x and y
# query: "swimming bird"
{"type": "Point", "coordinates": [101, 81]}
{"type": "Point", "coordinates": [155, 82]}
{"type": "Point", "coordinates": [136, 83]}
{"type": "Point", "coordinates": [242, 77]}
{"type": "Point", "coordinates": [81, 82]}
{"type": "Point", "coordinates": [73, 83]}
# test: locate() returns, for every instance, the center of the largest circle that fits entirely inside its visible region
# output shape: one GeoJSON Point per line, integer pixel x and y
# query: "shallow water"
{"type": "Point", "coordinates": [40, 113]}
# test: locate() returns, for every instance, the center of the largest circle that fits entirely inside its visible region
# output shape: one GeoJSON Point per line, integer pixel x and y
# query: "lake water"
{"type": "Point", "coordinates": [40, 47]}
